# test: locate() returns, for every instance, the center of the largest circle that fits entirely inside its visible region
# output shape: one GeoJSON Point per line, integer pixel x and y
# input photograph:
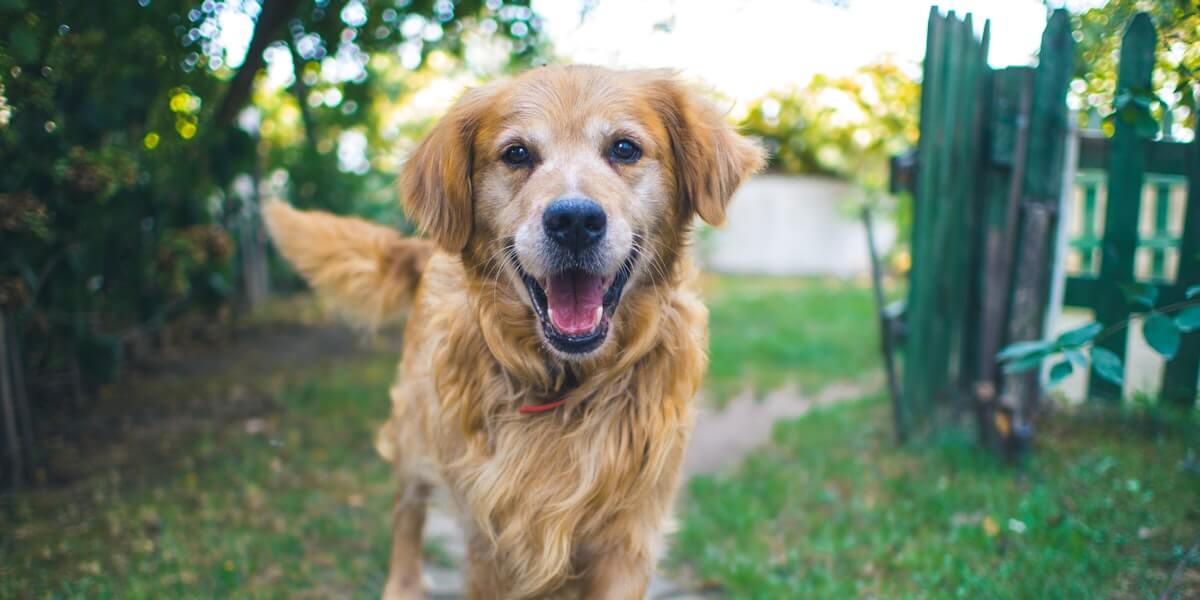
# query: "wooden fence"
{"type": "Point", "coordinates": [988, 176]}
{"type": "Point", "coordinates": [1137, 205]}
{"type": "Point", "coordinates": [988, 180]}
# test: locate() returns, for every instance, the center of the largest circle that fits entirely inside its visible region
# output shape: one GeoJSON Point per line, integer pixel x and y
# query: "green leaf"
{"type": "Point", "coordinates": [1134, 108]}
{"type": "Point", "coordinates": [1122, 99]}
{"type": "Point", "coordinates": [217, 284]}
{"type": "Point", "coordinates": [1140, 294]}
{"type": "Point", "coordinates": [1192, 292]}
{"type": "Point", "coordinates": [1162, 334]}
{"type": "Point", "coordinates": [1188, 319]}
{"type": "Point", "coordinates": [1077, 357]}
{"type": "Point", "coordinates": [24, 45]}
{"type": "Point", "coordinates": [1017, 350]}
{"type": "Point", "coordinates": [1108, 365]}
{"type": "Point", "coordinates": [1080, 335]}
{"type": "Point", "coordinates": [1059, 372]}
{"type": "Point", "coordinates": [1024, 364]}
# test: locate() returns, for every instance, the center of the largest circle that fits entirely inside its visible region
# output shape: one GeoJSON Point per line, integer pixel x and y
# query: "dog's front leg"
{"type": "Point", "coordinates": [484, 581]}
{"type": "Point", "coordinates": [617, 575]}
{"type": "Point", "coordinates": [408, 522]}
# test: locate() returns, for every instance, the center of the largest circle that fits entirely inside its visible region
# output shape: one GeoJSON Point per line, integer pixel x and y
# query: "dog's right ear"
{"type": "Point", "coordinates": [711, 157]}
{"type": "Point", "coordinates": [436, 181]}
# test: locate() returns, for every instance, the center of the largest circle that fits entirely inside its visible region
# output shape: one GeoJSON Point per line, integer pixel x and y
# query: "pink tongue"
{"type": "Point", "coordinates": [574, 298]}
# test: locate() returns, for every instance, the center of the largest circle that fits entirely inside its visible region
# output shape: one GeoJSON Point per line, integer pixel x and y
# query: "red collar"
{"type": "Point", "coordinates": [530, 409]}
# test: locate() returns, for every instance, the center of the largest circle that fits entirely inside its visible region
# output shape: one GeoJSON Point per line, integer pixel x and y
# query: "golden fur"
{"type": "Point", "coordinates": [569, 502]}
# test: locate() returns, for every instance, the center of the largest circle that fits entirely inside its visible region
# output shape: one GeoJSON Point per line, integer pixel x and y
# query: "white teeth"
{"type": "Point", "coordinates": [550, 313]}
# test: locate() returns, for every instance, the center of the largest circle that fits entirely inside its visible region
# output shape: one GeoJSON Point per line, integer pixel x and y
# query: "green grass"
{"type": "Point", "coordinates": [299, 509]}
{"type": "Point", "coordinates": [290, 499]}
{"type": "Point", "coordinates": [833, 509]}
{"type": "Point", "coordinates": [766, 332]}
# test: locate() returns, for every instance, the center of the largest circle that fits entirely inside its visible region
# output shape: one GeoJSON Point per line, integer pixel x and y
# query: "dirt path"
{"type": "Point", "coordinates": [721, 440]}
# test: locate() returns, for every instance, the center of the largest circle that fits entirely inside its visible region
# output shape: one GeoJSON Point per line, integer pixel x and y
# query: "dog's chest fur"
{"type": "Point", "coordinates": [548, 488]}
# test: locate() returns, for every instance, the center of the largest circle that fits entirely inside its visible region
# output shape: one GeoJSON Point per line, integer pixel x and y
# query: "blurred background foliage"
{"type": "Point", "coordinates": [138, 135]}
{"type": "Point", "coordinates": [1098, 33]}
{"type": "Point", "coordinates": [845, 127]}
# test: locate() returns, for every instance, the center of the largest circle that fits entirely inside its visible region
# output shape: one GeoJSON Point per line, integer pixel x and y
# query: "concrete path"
{"type": "Point", "coordinates": [721, 440]}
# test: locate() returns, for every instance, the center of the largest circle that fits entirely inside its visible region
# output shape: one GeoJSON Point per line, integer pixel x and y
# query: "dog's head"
{"type": "Point", "coordinates": [575, 185]}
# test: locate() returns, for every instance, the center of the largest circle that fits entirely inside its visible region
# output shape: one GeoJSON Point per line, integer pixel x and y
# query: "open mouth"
{"type": "Point", "coordinates": [576, 306]}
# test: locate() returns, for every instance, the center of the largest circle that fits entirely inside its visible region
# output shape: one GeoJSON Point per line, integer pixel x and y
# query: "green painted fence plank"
{"type": "Point", "coordinates": [1179, 378]}
{"type": "Point", "coordinates": [1083, 291]}
{"type": "Point", "coordinates": [939, 338]}
{"type": "Point", "coordinates": [1158, 254]}
{"type": "Point", "coordinates": [974, 201]}
{"type": "Point", "coordinates": [1125, 171]}
{"type": "Point", "coordinates": [1089, 233]}
{"type": "Point", "coordinates": [965, 249]}
{"type": "Point", "coordinates": [1167, 158]}
{"type": "Point", "coordinates": [922, 276]}
{"type": "Point", "coordinates": [1043, 177]}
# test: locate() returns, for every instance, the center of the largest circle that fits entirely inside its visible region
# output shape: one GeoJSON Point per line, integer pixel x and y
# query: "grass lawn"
{"type": "Point", "coordinates": [768, 331]}
{"type": "Point", "coordinates": [1105, 508]}
{"type": "Point", "coordinates": [291, 504]}
{"type": "Point", "coordinates": [287, 498]}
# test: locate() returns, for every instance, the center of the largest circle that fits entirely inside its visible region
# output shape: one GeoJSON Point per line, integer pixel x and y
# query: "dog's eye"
{"type": "Point", "coordinates": [625, 151]}
{"type": "Point", "coordinates": [517, 155]}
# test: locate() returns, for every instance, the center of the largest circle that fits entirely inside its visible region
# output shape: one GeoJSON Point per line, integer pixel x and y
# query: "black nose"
{"type": "Point", "coordinates": [575, 223]}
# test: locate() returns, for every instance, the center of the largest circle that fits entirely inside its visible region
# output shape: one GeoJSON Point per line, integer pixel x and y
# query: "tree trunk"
{"type": "Point", "coordinates": [255, 274]}
{"type": "Point", "coordinates": [273, 15]}
{"type": "Point", "coordinates": [300, 91]}
{"type": "Point", "coordinates": [12, 441]}
{"type": "Point", "coordinates": [20, 393]}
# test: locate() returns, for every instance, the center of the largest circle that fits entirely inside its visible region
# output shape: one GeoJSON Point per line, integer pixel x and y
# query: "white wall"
{"type": "Point", "coordinates": [792, 225]}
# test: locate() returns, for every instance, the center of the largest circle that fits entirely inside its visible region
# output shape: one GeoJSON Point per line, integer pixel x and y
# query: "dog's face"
{"type": "Point", "coordinates": [575, 185]}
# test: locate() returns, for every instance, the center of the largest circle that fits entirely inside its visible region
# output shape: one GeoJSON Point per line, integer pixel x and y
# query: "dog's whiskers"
{"type": "Point", "coordinates": [658, 273]}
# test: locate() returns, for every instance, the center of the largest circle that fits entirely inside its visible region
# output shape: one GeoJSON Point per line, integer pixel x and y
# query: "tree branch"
{"type": "Point", "coordinates": [274, 14]}
{"type": "Point", "coordinates": [1166, 595]}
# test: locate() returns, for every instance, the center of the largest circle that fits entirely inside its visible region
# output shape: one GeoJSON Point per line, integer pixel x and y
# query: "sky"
{"type": "Point", "coordinates": [741, 48]}
{"type": "Point", "coordinates": [745, 48]}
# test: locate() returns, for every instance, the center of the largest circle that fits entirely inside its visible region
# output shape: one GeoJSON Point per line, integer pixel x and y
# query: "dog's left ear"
{"type": "Point", "coordinates": [711, 158]}
{"type": "Point", "coordinates": [436, 180]}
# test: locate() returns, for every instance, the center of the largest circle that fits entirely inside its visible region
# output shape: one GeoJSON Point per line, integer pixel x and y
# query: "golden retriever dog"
{"type": "Point", "coordinates": [554, 338]}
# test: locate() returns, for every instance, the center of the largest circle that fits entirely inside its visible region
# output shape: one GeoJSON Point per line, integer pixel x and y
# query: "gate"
{"type": "Point", "coordinates": [995, 163]}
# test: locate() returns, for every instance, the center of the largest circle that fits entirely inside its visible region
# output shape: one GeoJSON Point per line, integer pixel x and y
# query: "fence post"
{"type": "Point", "coordinates": [968, 224]}
{"type": "Point", "coordinates": [887, 333]}
{"type": "Point", "coordinates": [1041, 187]}
{"type": "Point", "coordinates": [1009, 103]}
{"type": "Point", "coordinates": [916, 368]}
{"type": "Point", "coordinates": [940, 329]}
{"type": "Point", "coordinates": [1125, 171]}
{"type": "Point", "coordinates": [253, 246]}
{"type": "Point", "coordinates": [946, 248]}
{"type": "Point", "coordinates": [1179, 380]}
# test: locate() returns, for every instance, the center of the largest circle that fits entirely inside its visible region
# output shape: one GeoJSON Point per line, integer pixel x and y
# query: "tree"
{"type": "Point", "coordinates": [842, 126]}
{"type": "Point", "coordinates": [1177, 70]}
{"type": "Point", "coordinates": [119, 201]}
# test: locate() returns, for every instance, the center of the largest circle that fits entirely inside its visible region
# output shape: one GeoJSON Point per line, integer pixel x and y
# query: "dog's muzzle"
{"type": "Point", "coordinates": [576, 301]}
